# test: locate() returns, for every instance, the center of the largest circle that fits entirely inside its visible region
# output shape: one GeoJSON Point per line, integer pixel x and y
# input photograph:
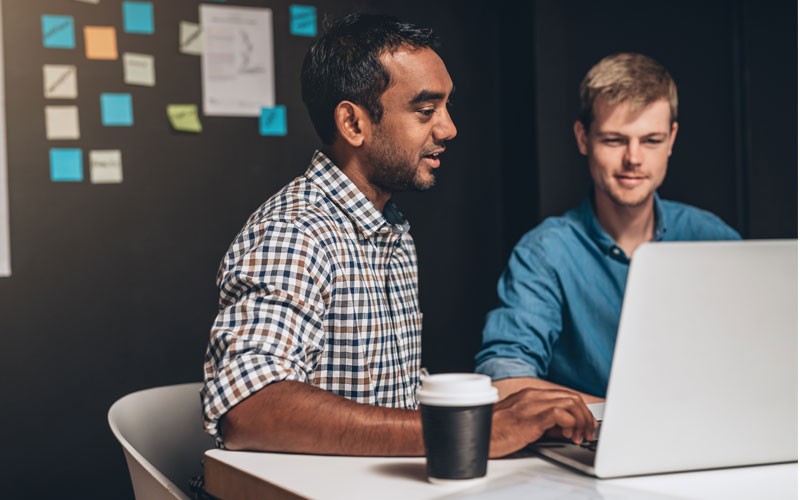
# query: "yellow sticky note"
{"type": "Point", "coordinates": [184, 117]}
{"type": "Point", "coordinates": [101, 42]}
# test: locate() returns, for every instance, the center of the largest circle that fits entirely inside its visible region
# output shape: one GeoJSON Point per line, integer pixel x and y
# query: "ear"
{"type": "Point", "coordinates": [352, 122]}
{"type": "Point", "coordinates": [672, 135]}
{"type": "Point", "coordinates": [580, 137]}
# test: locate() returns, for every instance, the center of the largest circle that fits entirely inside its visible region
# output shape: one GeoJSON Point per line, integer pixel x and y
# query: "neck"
{"type": "Point", "coordinates": [628, 226]}
{"type": "Point", "coordinates": [358, 172]}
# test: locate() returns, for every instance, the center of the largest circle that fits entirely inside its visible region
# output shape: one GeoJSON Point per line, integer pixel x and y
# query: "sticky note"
{"type": "Point", "coordinates": [61, 122]}
{"type": "Point", "coordinates": [58, 32]}
{"type": "Point", "coordinates": [60, 81]}
{"type": "Point", "coordinates": [101, 42]}
{"type": "Point", "coordinates": [273, 121]}
{"type": "Point", "coordinates": [66, 165]}
{"type": "Point", "coordinates": [105, 166]}
{"type": "Point", "coordinates": [116, 110]}
{"type": "Point", "coordinates": [190, 38]}
{"type": "Point", "coordinates": [137, 17]}
{"type": "Point", "coordinates": [184, 117]}
{"type": "Point", "coordinates": [139, 69]}
{"type": "Point", "coordinates": [303, 20]}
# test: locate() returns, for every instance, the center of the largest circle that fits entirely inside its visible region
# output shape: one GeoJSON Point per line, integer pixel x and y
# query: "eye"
{"type": "Point", "coordinates": [654, 141]}
{"type": "Point", "coordinates": [426, 111]}
{"type": "Point", "coordinates": [612, 141]}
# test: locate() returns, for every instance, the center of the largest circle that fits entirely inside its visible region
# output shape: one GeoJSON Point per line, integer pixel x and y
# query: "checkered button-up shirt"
{"type": "Point", "coordinates": [318, 287]}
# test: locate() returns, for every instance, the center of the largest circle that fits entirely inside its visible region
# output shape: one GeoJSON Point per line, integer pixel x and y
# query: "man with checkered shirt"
{"type": "Point", "coordinates": [316, 348]}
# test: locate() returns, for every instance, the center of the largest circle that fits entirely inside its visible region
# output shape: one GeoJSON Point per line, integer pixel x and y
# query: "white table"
{"type": "Point", "coordinates": [233, 475]}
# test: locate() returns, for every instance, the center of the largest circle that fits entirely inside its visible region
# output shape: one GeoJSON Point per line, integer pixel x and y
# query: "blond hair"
{"type": "Point", "coordinates": [627, 77]}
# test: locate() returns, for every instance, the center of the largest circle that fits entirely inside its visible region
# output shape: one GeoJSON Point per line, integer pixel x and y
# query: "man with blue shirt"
{"type": "Point", "coordinates": [561, 294]}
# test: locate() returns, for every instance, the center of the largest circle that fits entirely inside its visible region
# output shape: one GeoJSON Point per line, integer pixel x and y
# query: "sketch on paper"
{"type": "Point", "coordinates": [238, 60]}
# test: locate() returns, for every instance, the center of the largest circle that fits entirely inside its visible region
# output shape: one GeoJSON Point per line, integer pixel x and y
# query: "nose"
{"type": "Point", "coordinates": [633, 154]}
{"type": "Point", "coordinates": [445, 129]}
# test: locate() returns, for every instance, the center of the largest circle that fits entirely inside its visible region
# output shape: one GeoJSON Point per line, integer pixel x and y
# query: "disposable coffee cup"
{"type": "Point", "coordinates": [456, 424]}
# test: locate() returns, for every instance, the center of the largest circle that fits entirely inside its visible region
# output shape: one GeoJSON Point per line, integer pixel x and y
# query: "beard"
{"type": "Point", "coordinates": [629, 201]}
{"type": "Point", "coordinates": [395, 170]}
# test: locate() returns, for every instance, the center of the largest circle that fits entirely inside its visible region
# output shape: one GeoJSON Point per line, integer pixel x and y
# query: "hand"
{"type": "Point", "coordinates": [523, 417]}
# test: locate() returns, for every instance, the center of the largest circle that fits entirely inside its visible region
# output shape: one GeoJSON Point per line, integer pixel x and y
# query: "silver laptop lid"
{"type": "Point", "coordinates": [705, 362]}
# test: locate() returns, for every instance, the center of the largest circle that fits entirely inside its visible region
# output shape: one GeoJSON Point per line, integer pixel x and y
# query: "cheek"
{"type": "Point", "coordinates": [603, 160]}
{"type": "Point", "coordinates": [597, 172]}
{"type": "Point", "coordinates": [658, 160]}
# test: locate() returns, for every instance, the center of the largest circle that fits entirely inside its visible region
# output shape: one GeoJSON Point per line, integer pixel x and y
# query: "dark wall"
{"type": "Point", "coordinates": [113, 285]}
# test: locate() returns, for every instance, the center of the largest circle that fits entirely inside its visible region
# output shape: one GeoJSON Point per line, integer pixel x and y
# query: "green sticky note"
{"type": "Point", "coordinates": [184, 117]}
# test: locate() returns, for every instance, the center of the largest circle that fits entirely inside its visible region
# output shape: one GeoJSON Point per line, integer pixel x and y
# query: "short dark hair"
{"type": "Point", "coordinates": [344, 65]}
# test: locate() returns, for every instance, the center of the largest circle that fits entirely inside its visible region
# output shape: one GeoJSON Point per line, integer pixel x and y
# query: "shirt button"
{"type": "Point", "coordinates": [615, 251]}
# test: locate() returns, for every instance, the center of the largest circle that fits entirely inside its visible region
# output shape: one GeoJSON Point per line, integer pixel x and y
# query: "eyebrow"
{"type": "Point", "coordinates": [429, 95]}
{"type": "Point", "coordinates": [620, 134]}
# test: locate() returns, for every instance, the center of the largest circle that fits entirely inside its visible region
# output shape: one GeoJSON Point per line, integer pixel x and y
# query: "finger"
{"type": "Point", "coordinates": [532, 404]}
{"type": "Point", "coordinates": [592, 422]}
{"type": "Point", "coordinates": [565, 420]}
{"type": "Point", "coordinates": [584, 421]}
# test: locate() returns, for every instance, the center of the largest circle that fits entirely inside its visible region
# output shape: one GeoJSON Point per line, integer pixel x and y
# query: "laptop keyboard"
{"type": "Point", "coordinates": [561, 442]}
{"type": "Point", "coordinates": [592, 445]}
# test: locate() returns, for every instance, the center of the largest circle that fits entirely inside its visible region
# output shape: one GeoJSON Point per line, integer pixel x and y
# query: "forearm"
{"type": "Point", "coordinates": [296, 417]}
{"type": "Point", "coordinates": [509, 386]}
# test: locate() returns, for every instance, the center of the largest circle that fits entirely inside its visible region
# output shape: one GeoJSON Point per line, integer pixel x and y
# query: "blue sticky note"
{"type": "Point", "coordinates": [116, 110]}
{"type": "Point", "coordinates": [137, 17]}
{"type": "Point", "coordinates": [303, 20]}
{"type": "Point", "coordinates": [58, 32]}
{"type": "Point", "coordinates": [273, 121]}
{"type": "Point", "coordinates": [66, 165]}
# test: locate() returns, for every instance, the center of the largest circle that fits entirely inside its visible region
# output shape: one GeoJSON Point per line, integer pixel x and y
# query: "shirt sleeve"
{"type": "Point", "coordinates": [519, 335]}
{"type": "Point", "coordinates": [724, 232]}
{"type": "Point", "coordinates": [701, 225]}
{"type": "Point", "coordinates": [274, 291]}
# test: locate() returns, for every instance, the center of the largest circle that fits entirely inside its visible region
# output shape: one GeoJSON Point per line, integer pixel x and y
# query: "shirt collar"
{"type": "Point", "coordinates": [661, 224]}
{"type": "Point", "coordinates": [599, 235]}
{"type": "Point", "coordinates": [358, 208]}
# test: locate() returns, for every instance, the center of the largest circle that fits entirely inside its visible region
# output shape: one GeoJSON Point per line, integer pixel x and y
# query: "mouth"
{"type": "Point", "coordinates": [630, 180]}
{"type": "Point", "coordinates": [432, 158]}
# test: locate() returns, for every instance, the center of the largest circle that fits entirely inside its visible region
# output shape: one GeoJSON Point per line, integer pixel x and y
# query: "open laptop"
{"type": "Point", "coordinates": [704, 373]}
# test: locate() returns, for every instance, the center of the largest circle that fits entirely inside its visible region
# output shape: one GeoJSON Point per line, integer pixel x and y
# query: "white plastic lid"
{"type": "Point", "coordinates": [456, 389]}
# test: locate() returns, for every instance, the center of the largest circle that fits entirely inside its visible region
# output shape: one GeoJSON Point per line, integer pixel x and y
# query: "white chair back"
{"type": "Point", "coordinates": [161, 433]}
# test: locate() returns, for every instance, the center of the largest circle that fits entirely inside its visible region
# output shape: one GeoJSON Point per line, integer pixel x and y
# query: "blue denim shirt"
{"type": "Point", "coordinates": [561, 296]}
